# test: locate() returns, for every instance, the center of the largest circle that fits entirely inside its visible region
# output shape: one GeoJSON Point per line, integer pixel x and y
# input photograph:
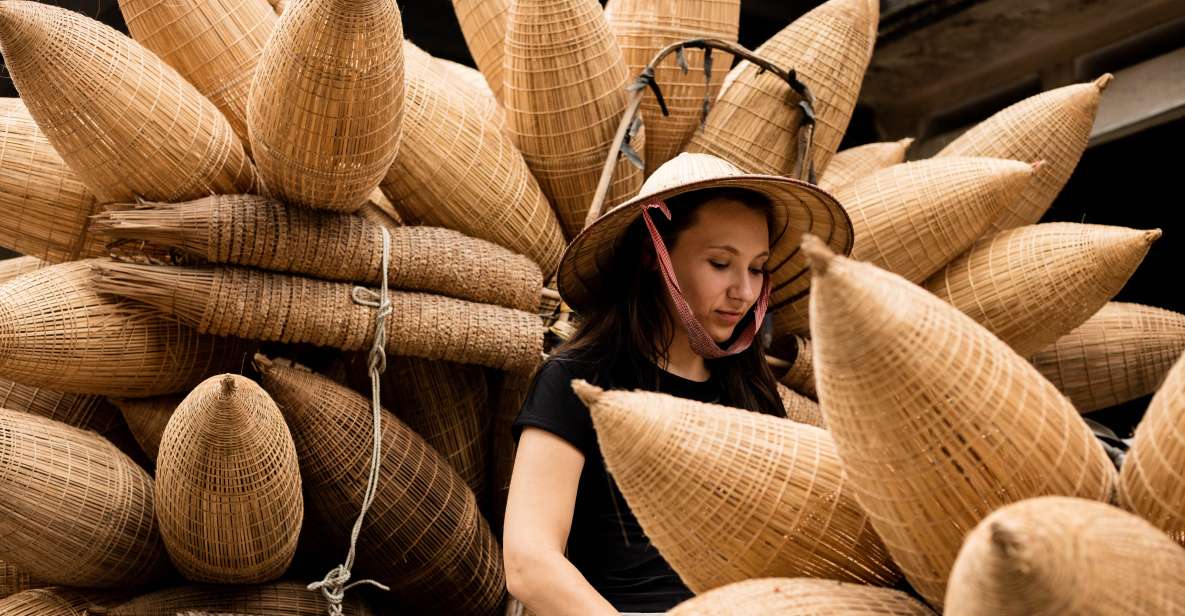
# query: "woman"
{"type": "Point", "coordinates": [671, 288]}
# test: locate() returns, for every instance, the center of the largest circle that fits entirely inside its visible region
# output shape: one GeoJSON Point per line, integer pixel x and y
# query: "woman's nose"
{"type": "Point", "coordinates": [745, 289]}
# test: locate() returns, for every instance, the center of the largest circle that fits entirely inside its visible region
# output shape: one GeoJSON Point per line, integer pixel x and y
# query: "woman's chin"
{"type": "Point", "coordinates": [720, 335]}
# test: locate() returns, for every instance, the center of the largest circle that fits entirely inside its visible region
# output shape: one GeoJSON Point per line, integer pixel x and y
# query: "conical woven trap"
{"type": "Point", "coordinates": [1121, 353]}
{"type": "Point", "coordinates": [56, 332]}
{"type": "Point", "coordinates": [483, 24]}
{"type": "Point", "coordinates": [727, 495]}
{"type": "Point", "coordinates": [326, 103]}
{"type": "Point", "coordinates": [1051, 556]}
{"type": "Point", "coordinates": [423, 535]}
{"type": "Point", "coordinates": [459, 170]}
{"type": "Point", "coordinates": [852, 164]}
{"type": "Point", "coordinates": [643, 28]}
{"type": "Point", "coordinates": [16, 266]}
{"type": "Point", "coordinates": [800, 377]}
{"type": "Point", "coordinates": [76, 510]}
{"type": "Point", "coordinates": [936, 420]}
{"type": "Point", "coordinates": [801, 408]}
{"type": "Point", "coordinates": [564, 95]}
{"type": "Point", "coordinates": [468, 80]}
{"type": "Point", "coordinates": [147, 418]}
{"type": "Point", "coordinates": [1032, 285]}
{"type": "Point", "coordinates": [1053, 126]}
{"type": "Point", "coordinates": [59, 601]}
{"type": "Point", "coordinates": [278, 599]}
{"type": "Point", "coordinates": [754, 124]}
{"type": "Point", "coordinates": [228, 496]}
{"type": "Point", "coordinates": [122, 119]}
{"type": "Point", "coordinates": [801, 597]}
{"type": "Point", "coordinates": [14, 580]}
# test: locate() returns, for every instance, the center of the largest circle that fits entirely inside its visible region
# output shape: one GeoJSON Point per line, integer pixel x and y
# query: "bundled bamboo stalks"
{"type": "Point", "coordinates": [277, 599]}
{"type": "Point", "coordinates": [146, 419]}
{"type": "Point", "coordinates": [483, 24]}
{"type": "Point", "coordinates": [801, 408]}
{"type": "Point", "coordinates": [234, 301]}
{"type": "Point", "coordinates": [264, 233]}
{"type": "Point", "coordinates": [124, 121]}
{"type": "Point", "coordinates": [800, 376]}
{"type": "Point", "coordinates": [14, 580]}
{"type": "Point", "coordinates": [801, 597]}
{"type": "Point", "coordinates": [852, 164]}
{"type": "Point", "coordinates": [59, 601]}
{"type": "Point", "coordinates": [16, 266]}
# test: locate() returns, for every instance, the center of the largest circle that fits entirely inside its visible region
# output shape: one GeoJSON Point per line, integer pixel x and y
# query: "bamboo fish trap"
{"type": "Point", "coordinates": [59, 601]}
{"type": "Point", "coordinates": [43, 205]}
{"type": "Point", "coordinates": [913, 218]}
{"type": "Point", "coordinates": [483, 24]}
{"type": "Point", "coordinates": [472, 85]}
{"type": "Point", "coordinates": [852, 164]}
{"type": "Point", "coordinates": [564, 95]}
{"type": "Point", "coordinates": [751, 124]}
{"type": "Point", "coordinates": [325, 106]}
{"type": "Point", "coordinates": [801, 597]}
{"type": "Point", "coordinates": [1051, 556]}
{"type": "Point", "coordinates": [1031, 285]}
{"type": "Point", "coordinates": [800, 377]}
{"type": "Point", "coordinates": [1053, 126]}
{"type": "Point", "coordinates": [801, 408]}
{"type": "Point", "coordinates": [57, 332]}
{"type": "Point", "coordinates": [14, 580]}
{"type": "Point", "coordinates": [146, 419]}
{"type": "Point", "coordinates": [122, 119]}
{"type": "Point", "coordinates": [264, 233]}
{"type": "Point", "coordinates": [228, 497]}
{"type": "Point", "coordinates": [458, 170]}
{"type": "Point", "coordinates": [277, 599]}
{"type": "Point", "coordinates": [423, 534]}
{"type": "Point", "coordinates": [284, 308]}
{"type": "Point", "coordinates": [1121, 353]}
{"type": "Point", "coordinates": [77, 511]}
{"type": "Point", "coordinates": [728, 495]}
{"type": "Point", "coordinates": [645, 27]}
{"type": "Point", "coordinates": [937, 421]}
{"type": "Point", "coordinates": [213, 44]}
{"type": "Point", "coordinates": [16, 266]}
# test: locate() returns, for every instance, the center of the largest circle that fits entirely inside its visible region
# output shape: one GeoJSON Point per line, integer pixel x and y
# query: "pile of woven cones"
{"type": "Point", "coordinates": [265, 241]}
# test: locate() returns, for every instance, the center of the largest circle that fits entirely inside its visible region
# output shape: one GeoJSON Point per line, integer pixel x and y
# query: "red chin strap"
{"type": "Point", "coordinates": [701, 341]}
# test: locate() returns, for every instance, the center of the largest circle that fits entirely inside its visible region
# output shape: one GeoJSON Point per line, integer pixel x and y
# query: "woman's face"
{"type": "Point", "coordinates": [719, 261]}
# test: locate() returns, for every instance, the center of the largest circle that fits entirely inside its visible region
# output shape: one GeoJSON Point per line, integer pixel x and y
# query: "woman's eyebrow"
{"type": "Point", "coordinates": [734, 251]}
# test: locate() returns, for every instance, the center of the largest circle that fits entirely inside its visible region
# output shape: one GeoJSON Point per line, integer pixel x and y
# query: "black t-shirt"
{"type": "Point", "coordinates": [606, 543]}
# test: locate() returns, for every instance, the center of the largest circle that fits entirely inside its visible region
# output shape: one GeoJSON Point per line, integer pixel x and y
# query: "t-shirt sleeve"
{"type": "Point", "coordinates": [551, 405]}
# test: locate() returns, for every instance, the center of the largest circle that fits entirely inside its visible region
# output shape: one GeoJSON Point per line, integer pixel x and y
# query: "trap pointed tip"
{"type": "Point", "coordinates": [1103, 81]}
{"type": "Point", "coordinates": [262, 363]}
{"type": "Point", "coordinates": [1037, 165]}
{"type": "Point", "coordinates": [587, 392]}
{"type": "Point", "coordinates": [818, 252]}
{"type": "Point", "coordinates": [1005, 539]}
{"type": "Point", "coordinates": [228, 384]}
{"type": "Point", "coordinates": [906, 142]}
{"type": "Point", "coordinates": [1151, 235]}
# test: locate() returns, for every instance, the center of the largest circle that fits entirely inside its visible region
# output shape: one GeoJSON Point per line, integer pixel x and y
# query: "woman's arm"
{"type": "Point", "coordinates": [538, 517]}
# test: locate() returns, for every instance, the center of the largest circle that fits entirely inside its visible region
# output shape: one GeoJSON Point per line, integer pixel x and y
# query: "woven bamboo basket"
{"type": "Point", "coordinates": [508, 392]}
{"type": "Point", "coordinates": [56, 332]}
{"type": "Point", "coordinates": [326, 102]}
{"type": "Point", "coordinates": [468, 80]}
{"type": "Point", "coordinates": [228, 497]}
{"type": "Point", "coordinates": [59, 601]}
{"type": "Point", "coordinates": [264, 233]}
{"type": "Point", "coordinates": [423, 534]}
{"type": "Point", "coordinates": [1151, 483]}
{"type": "Point", "coordinates": [146, 419]}
{"type": "Point", "coordinates": [14, 580]}
{"type": "Point", "coordinates": [643, 28]}
{"type": "Point", "coordinates": [801, 408]}
{"type": "Point", "coordinates": [43, 205]}
{"type": "Point", "coordinates": [801, 375]}
{"type": "Point", "coordinates": [77, 510]}
{"type": "Point", "coordinates": [483, 24]}
{"type": "Point", "coordinates": [1032, 285]}
{"type": "Point", "coordinates": [851, 164]}
{"type": "Point", "coordinates": [728, 495]}
{"type": "Point", "coordinates": [17, 266]}
{"type": "Point", "coordinates": [754, 123]}
{"type": "Point", "coordinates": [277, 599]}
{"type": "Point", "coordinates": [214, 44]}
{"type": "Point", "coordinates": [801, 597]}
{"type": "Point", "coordinates": [1121, 353]}
{"type": "Point", "coordinates": [1051, 556]}
{"type": "Point", "coordinates": [936, 420]}
{"type": "Point", "coordinates": [286, 308]}
{"type": "Point", "coordinates": [460, 171]}
{"type": "Point", "coordinates": [122, 119]}
{"type": "Point", "coordinates": [911, 219]}
{"type": "Point", "coordinates": [1053, 126]}
{"type": "Point", "coordinates": [564, 95]}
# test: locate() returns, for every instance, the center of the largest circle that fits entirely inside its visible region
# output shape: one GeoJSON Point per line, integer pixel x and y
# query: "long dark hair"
{"type": "Point", "coordinates": [621, 327]}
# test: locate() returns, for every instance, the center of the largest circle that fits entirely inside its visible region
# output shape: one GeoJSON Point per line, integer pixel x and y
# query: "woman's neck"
{"type": "Point", "coordinates": [682, 361]}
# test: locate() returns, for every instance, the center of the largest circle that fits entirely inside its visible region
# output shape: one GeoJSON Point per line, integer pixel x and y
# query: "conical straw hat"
{"type": "Point", "coordinates": [285, 308]}
{"type": "Point", "coordinates": [1121, 353]}
{"type": "Point", "coordinates": [1032, 285]}
{"type": "Point", "coordinates": [43, 204]}
{"type": "Point", "coordinates": [147, 418]}
{"type": "Point", "coordinates": [228, 494]}
{"type": "Point", "coordinates": [483, 24]}
{"type": "Point", "coordinates": [801, 375]}
{"type": "Point", "coordinates": [60, 601]}
{"type": "Point", "coordinates": [14, 580]}
{"type": "Point", "coordinates": [645, 27]}
{"type": "Point", "coordinates": [801, 597]}
{"type": "Point", "coordinates": [1053, 126]}
{"type": "Point", "coordinates": [754, 123]}
{"type": "Point", "coordinates": [854, 163]}
{"type": "Point", "coordinates": [937, 421]}
{"type": "Point", "coordinates": [215, 44]}
{"type": "Point", "coordinates": [423, 535]}
{"type": "Point", "coordinates": [801, 408]}
{"type": "Point", "coordinates": [123, 120]}
{"type": "Point", "coordinates": [264, 233]}
{"type": "Point", "coordinates": [76, 510]}
{"type": "Point", "coordinates": [326, 103]}
{"type": "Point", "coordinates": [564, 95]}
{"type": "Point", "coordinates": [1051, 556]}
{"type": "Point", "coordinates": [728, 495]}
{"type": "Point", "coordinates": [17, 266]}
{"type": "Point", "coordinates": [460, 171]}
{"type": "Point", "coordinates": [56, 332]}
{"type": "Point", "coordinates": [913, 218]}
{"type": "Point", "coordinates": [277, 599]}
{"type": "Point", "coordinates": [1151, 484]}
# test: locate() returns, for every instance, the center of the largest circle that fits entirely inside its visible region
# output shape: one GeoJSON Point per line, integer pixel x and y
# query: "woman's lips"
{"type": "Point", "coordinates": [728, 317]}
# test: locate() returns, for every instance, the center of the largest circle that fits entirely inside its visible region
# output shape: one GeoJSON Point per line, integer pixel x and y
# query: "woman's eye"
{"type": "Point", "coordinates": [756, 271]}
{"type": "Point", "coordinates": [718, 265]}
